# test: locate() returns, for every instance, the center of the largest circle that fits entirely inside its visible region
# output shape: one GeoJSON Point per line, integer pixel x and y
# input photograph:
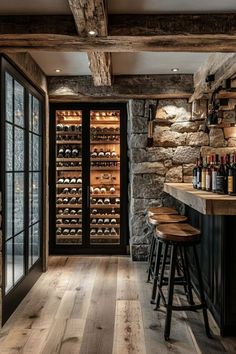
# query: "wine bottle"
{"type": "Point", "coordinates": [199, 174]}
{"type": "Point", "coordinates": [214, 167]}
{"type": "Point", "coordinates": [221, 177]}
{"type": "Point", "coordinates": [194, 181]}
{"type": "Point", "coordinates": [232, 176]}
{"type": "Point", "coordinates": [204, 168]}
{"type": "Point", "coordinates": [208, 175]}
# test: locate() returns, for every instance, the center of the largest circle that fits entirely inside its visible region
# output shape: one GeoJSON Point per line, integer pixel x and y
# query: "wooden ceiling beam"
{"type": "Point", "coordinates": [222, 66]}
{"type": "Point", "coordinates": [91, 15]}
{"type": "Point", "coordinates": [78, 88]}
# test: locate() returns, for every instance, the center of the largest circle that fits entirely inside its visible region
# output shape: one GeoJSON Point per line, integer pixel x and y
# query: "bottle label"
{"type": "Point", "coordinates": [203, 180]}
{"type": "Point", "coordinates": [199, 184]}
{"type": "Point", "coordinates": [194, 181]}
{"type": "Point", "coordinates": [208, 182]}
{"type": "Point", "coordinates": [220, 184]}
{"type": "Point", "coordinates": [214, 180]}
{"type": "Point", "coordinates": [230, 184]}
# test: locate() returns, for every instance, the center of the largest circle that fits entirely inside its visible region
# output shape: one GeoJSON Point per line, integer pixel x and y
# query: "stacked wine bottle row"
{"type": "Point", "coordinates": [216, 174]}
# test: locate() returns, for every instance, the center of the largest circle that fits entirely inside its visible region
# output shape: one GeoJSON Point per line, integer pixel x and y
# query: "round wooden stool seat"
{"type": "Point", "coordinates": [161, 210]}
{"type": "Point", "coordinates": [177, 232]}
{"type": "Point", "coordinates": [166, 219]}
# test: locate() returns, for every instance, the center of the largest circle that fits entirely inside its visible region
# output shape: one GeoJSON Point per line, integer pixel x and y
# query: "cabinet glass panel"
{"type": "Point", "coordinates": [104, 177]}
{"type": "Point", "coordinates": [9, 97]}
{"type": "Point", "coordinates": [9, 205]}
{"type": "Point", "coordinates": [8, 265]}
{"type": "Point", "coordinates": [19, 206]}
{"type": "Point", "coordinates": [18, 256]}
{"type": "Point", "coordinates": [68, 177]}
{"type": "Point", "coordinates": [19, 108]}
{"type": "Point", "coordinates": [9, 147]}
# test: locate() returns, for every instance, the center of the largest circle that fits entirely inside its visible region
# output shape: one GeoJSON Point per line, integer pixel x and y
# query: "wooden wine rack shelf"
{"type": "Point", "coordinates": [104, 216]}
{"type": "Point", "coordinates": [103, 226]}
{"type": "Point", "coordinates": [69, 226]}
{"type": "Point", "coordinates": [68, 185]}
{"type": "Point", "coordinates": [111, 142]}
{"type": "Point", "coordinates": [75, 206]}
{"type": "Point", "coordinates": [69, 216]}
{"type": "Point", "coordinates": [104, 206]}
{"type": "Point", "coordinates": [68, 142]}
{"type": "Point", "coordinates": [69, 159]}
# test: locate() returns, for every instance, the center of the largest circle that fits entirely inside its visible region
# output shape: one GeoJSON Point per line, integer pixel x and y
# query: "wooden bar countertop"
{"type": "Point", "coordinates": [207, 203]}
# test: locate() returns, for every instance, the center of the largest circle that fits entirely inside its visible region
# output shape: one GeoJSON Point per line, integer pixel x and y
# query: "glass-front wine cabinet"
{"type": "Point", "coordinates": [88, 178]}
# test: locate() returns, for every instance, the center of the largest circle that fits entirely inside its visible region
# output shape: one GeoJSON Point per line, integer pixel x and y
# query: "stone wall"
{"type": "Point", "coordinates": [179, 137]}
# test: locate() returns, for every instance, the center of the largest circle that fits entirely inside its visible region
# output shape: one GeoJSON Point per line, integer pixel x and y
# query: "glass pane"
{"type": "Point", "coordinates": [69, 177]}
{"type": "Point", "coordinates": [9, 97]}
{"type": "Point", "coordinates": [30, 260]}
{"type": "Point", "coordinates": [19, 104]}
{"type": "Point", "coordinates": [35, 152]}
{"type": "Point", "coordinates": [30, 111]}
{"type": "Point", "coordinates": [19, 149]}
{"type": "Point", "coordinates": [30, 151]}
{"type": "Point", "coordinates": [18, 256]}
{"type": "Point", "coordinates": [9, 147]}
{"type": "Point", "coordinates": [35, 197]}
{"type": "Point", "coordinates": [9, 205]}
{"type": "Point", "coordinates": [9, 266]}
{"type": "Point", "coordinates": [36, 115]}
{"type": "Point", "coordinates": [19, 202]}
{"type": "Point", "coordinates": [35, 242]}
{"type": "Point", "coordinates": [105, 177]}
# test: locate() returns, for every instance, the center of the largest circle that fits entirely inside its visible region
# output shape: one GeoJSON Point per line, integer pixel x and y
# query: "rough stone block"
{"type": "Point", "coordinates": [138, 125]}
{"type": "Point", "coordinates": [159, 154]}
{"type": "Point", "coordinates": [186, 154]}
{"type": "Point", "coordinates": [139, 252]}
{"type": "Point", "coordinates": [168, 138]}
{"type": "Point", "coordinates": [137, 108]}
{"type": "Point", "coordinates": [232, 142]}
{"type": "Point", "coordinates": [175, 174]}
{"type": "Point", "coordinates": [138, 141]}
{"type": "Point", "coordinates": [146, 106]}
{"type": "Point", "coordinates": [138, 155]}
{"type": "Point", "coordinates": [216, 136]}
{"type": "Point", "coordinates": [141, 205]}
{"type": "Point", "coordinates": [148, 167]}
{"type": "Point", "coordinates": [185, 127]}
{"type": "Point", "coordinates": [147, 186]}
{"type": "Point", "coordinates": [188, 169]}
{"type": "Point", "coordinates": [168, 163]}
{"type": "Point", "coordinates": [197, 139]}
{"type": "Point", "coordinates": [229, 117]}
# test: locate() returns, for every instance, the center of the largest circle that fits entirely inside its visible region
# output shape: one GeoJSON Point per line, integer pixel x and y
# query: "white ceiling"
{"type": "Point", "coordinates": [123, 63]}
{"type": "Point", "coordinates": [23, 7]}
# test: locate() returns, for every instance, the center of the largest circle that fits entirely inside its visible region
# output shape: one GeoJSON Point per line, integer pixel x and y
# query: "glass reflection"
{"type": "Point", "coordinates": [9, 97]}
{"type": "Point", "coordinates": [9, 205]}
{"type": "Point", "coordinates": [19, 149]}
{"type": "Point", "coordinates": [9, 266]}
{"type": "Point", "coordinates": [35, 115]}
{"type": "Point", "coordinates": [19, 202]}
{"type": "Point", "coordinates": [19, 104]}
{"type": "Point", "coordinates": [18, 257]}
{"type": "Point", "coordinates": [9, 147]}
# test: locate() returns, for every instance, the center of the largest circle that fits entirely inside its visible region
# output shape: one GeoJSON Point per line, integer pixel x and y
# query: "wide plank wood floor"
{"type": "Point", "coordinates": [101, 305]}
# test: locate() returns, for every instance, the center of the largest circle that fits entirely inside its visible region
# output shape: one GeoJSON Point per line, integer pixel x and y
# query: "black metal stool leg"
{"type": "Point", "coordinates": [201, 291]}
{"type": "Point", "coordinates": [161, 278]}
{"type": "Point", "coordinates": [156, 269]}
{"type": "Point", "coordinates": [150, 260]}
{"type": "Point", "coordinates": [189, 285]}
{"type": "Point", "coordinates": [170, 291]}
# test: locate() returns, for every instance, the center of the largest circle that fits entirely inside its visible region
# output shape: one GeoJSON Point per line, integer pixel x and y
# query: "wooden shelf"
{"type": "Point", "coordinates": [105, 168]}
{"type": "Point", "coordinates": [104, 206]}
{"type": "Point", "coordinates": [69, 216]}
{"type": "Point", "coordinates": [104, 142]}
{"type": "Point", "coordinates": [70, 168]}
{"type": "Point", "coordinates": [68, 185]}
{"type": "Point", "coordinates": [69, 226]}
{"type": "Point", "coordinates": [103, 122]}
{"type": "Point", "coordinates": [101, 133]}
{"type": "Point", "coordinates": [68, 132]}
{"type": "Point", "coordinates": [68, 159]}
{"type": "Point", "coordinates": [75, 206]}
{"type": "Point", "coordinates": [104, 226]}
{"type": "Point", "coordinates": [108, 159]}
{"type": "Point", "coordinates": [103, 216]}
{"type": "Point", "coordinates": [105, 237]}
{"type": "Point", "coordinates": [105, 195]}
{"type": "Point", "coordinates": [69, 195]}
{"type": "Point", "coordinates": [69, 142]}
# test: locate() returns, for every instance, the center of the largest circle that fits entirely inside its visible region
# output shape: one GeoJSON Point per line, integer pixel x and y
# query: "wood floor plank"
{"type": "Point", "coordinates": [129, 335]}
{"type": "Point", "coordinates": [99, 327]}
{"type": "Point", "coordinates": [72, 339]}
{"type": "Point", "coordinates": [126, 280]}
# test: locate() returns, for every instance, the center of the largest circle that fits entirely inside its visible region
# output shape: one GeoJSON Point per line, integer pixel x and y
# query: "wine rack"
{"type": "Point", "coordinates": [102, 206]}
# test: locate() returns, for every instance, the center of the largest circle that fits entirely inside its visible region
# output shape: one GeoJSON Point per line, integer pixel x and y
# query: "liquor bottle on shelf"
{"type": "Point", "coordinates": [214, 168]}
{"type": "Point", "coordinates": [232, 176]}
{"type": "Point", "coordinates": [203, 178]}
{"type": "Point", "coordinates": [208, 175]}
{"type": "Point", "coordinates": [221, 186]}
{"type": "Point", "coordinates": [194, 181]}
{"type": "Point", "coordinates": [199, 173]}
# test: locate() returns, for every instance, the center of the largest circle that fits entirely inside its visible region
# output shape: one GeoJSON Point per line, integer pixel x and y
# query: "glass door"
{"type": "Point", "coordinates": [69, 177]}
{"type": "Point", "coordinates": [21, 182]}
{"type": "Point", "coordinates": [105, 177]}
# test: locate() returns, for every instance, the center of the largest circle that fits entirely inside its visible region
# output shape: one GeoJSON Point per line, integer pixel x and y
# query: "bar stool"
{"type": "Point", "coordinates": [155, 211]}
{"type": "Point", "coordinates": [179, 237]}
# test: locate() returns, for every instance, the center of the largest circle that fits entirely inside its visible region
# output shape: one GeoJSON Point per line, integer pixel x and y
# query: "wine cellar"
{"type": "Point", "coordinates": [89, 195]}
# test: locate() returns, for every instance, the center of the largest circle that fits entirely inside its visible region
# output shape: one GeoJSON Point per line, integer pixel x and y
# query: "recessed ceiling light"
{"type": "Point", "coordinates": [92, 33]}
{"type": "Point", "coordinates": [175, 70]}
{"type": "Point", "coordinates": [58, 70]}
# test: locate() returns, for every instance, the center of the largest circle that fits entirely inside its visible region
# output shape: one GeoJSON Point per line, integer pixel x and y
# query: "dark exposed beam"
{"type": "Point", "coordinates": [92, 15]}
{"type": "Point", "coordinates": [124, 87]}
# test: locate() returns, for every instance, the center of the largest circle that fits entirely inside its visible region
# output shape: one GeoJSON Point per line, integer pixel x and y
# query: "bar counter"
{"type": "Point", "coordinates": [214, 215]}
